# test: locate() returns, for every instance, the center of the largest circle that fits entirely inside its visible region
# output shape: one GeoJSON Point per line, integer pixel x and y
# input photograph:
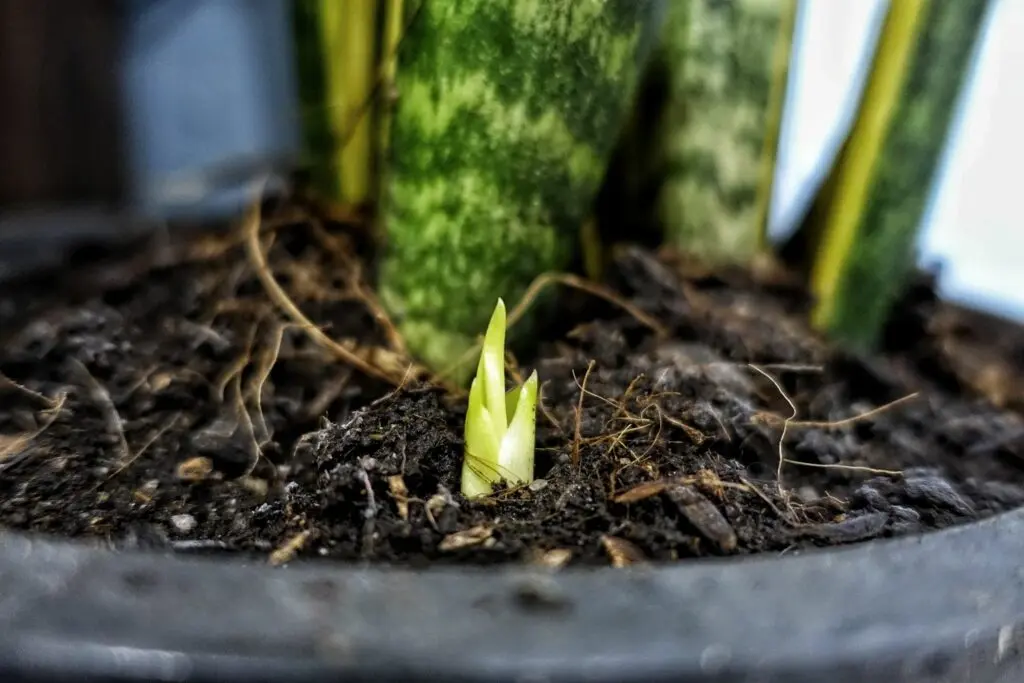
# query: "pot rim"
{"type": "Point", "coordinates": [913, 608]}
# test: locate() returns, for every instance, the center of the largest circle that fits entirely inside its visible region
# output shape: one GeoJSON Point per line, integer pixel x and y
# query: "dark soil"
{"type": "Point", "coordinates": [671, 452]}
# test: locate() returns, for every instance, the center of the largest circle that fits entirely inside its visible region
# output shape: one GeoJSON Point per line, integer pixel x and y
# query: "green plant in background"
{"type": "Point", "coordinates": [500, 427]}
{"type": "Point", "coordinates": [483, 172]}
{"type": "Point", "coordinates": [726, 63]}
{"type": "Point", "coordinates": [316, 129]}
{"type": "Point", "coordinates": [505, 118]}
{"type": "Point", "coordinates": [338, 54]}
{"type": "Point", "coordinates": [860, 238]}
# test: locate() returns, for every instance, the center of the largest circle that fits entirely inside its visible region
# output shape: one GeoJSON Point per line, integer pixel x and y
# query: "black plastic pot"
{"type": "Point", "coordinates": [947, 606]}
{"type": "Point", "coordinates": [943, 607]}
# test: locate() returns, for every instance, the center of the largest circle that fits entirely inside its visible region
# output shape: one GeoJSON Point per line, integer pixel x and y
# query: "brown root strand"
{"type": "Point", "coordinates": [347, 353]}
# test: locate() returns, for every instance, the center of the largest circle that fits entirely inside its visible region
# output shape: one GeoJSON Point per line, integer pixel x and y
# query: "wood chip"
{"type": "Point", "coordinates": [643, 491]}
{"type": "Point", "coordinates": [256, 486]}
{"type": "Point", "coordinates": [466, 538]}
{"type": "Point", "coordinates": [621, 552]}
{"type": "Point", "coordinates": [160, 381]}
{"type": "Point", "coordinates": [435, 505]}
{"type": "Point", "coordinates": [195, 469]}
{"type": "Point", "coordinates": [850, 530]}
{"type": "Point", "coordinates": [286, 552]}
{"type": "Point", "coordinates": [709, 482]}
{"type": "Point", "coordinates": [555, 558]}
{"type": "Point", "coordinates": [704, 516]}
{"type": "Point", "coordinates": [651, 468]}
{"type": "Point", "coordinates": [695, 435]}
{"type": "Point", "coordinates": [400, 493]}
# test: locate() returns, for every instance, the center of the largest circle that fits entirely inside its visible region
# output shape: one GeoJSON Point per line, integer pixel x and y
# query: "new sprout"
{"type": "Point", "coordinates": [500, 426]}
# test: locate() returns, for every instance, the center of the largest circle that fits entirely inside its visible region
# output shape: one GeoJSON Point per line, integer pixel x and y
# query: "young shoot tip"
{"type": "Point", "coordinates": [500, 430]}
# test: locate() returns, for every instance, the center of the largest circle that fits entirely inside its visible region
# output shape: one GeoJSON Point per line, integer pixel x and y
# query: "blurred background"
{"type": "Point", "coordinates": [172, 107]}
{"type": "Point", "coordinates": [971, 225]}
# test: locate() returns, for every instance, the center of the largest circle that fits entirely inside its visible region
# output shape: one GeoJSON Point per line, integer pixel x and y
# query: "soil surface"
{"type": "Point", "coordinates": [177, 409]}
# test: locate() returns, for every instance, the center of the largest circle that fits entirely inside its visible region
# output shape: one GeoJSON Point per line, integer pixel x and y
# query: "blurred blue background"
{"type": "Point", "coordinates": [972, 226]}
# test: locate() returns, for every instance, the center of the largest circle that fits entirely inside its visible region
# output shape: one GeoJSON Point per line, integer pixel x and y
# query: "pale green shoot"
{"type": "Point", "coordinates": [500, 426]}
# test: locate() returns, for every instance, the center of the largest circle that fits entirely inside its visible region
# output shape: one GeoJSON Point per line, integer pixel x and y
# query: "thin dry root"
{"type": "Point", "coordinates": [354, 281]}
{"type": "Point", "coordinates": [264, 367]}
{"type": "Point", "coordinates": [512, 368]}
{"type": "Point", "coordinates": [782, 436]}
{"type": "Point", "coordinates": [849, 468]}
{"type": "Point", "coordinates": [235, 369]}
{"type": "Point", "coordinates": [694, 434]}
{"type": "Point", "coordinates": [646, 490]}
{"type": "Point", "coordinates": [6, 381]}
{"type": "Point", "coordinates": [13, 446]}
{"type": "Point", "coordinates": [99, 394]}
{"type": "Point", "coordinates": [867, 415]}
{"type": "Point", "coordinates": [621, 411]}
{"type": "Point", "coordinates": [545, 411]}
{"type": "Point", "coordinates": [245, 420]}
{"type": "Point", "coordinates": [546, 279]}
{"type": "Point", "coordinates": [329, 392]}
{"type": "Point", "coordinates": [149, 442]}
{"type": "Point", "coordinates": [768, 501]}
{"type": "Point", "coordinates": [790, 421]}
{"type": "Point", "coordinates": [538, 285]}
{"type": "Point", "coordinates": [579, 417]}
{"type": "Point", "coordinates": [348, 352]}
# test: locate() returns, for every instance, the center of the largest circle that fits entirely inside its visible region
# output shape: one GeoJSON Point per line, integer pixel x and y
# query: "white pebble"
{"type": "Point", "coordinates": [183, 523]}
